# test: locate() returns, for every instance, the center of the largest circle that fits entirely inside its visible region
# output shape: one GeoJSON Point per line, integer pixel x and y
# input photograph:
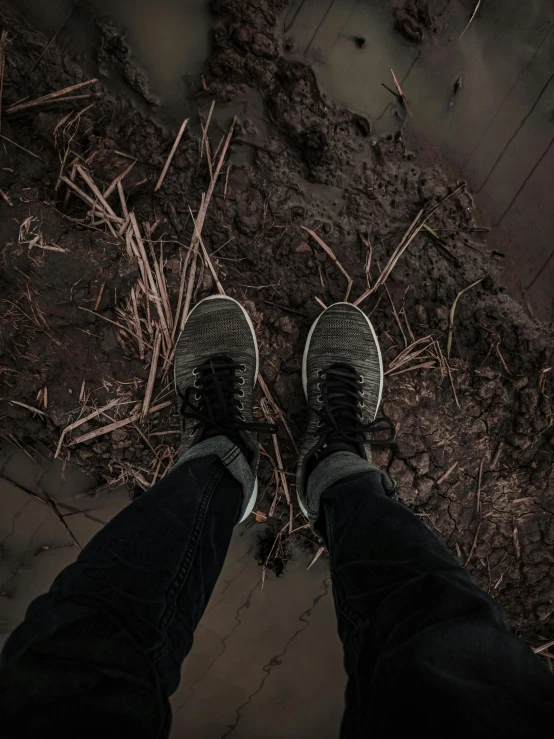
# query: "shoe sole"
{"type": "Point", "coordinates": [254, 495]}
{"type": "Point", "coordinates": [307, 348]}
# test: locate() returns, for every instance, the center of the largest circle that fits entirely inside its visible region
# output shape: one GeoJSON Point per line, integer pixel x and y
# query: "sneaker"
{"type": "Point", "coordinates": [342, 375]}
{"type": "Point", "coordinates": [216, 368]}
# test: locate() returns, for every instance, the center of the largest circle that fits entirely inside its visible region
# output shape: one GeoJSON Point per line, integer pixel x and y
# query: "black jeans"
{"type": "Point", "coordinates": [425, 649]}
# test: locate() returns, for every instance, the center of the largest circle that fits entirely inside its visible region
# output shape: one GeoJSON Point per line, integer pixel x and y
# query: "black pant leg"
{"type": "Point", "coordinates": [103, 649]}
{"type": "Point", "coordinates": [426, 650]}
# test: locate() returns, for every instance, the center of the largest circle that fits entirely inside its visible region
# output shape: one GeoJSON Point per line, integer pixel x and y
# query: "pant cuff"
{"type": "Point", "coordinates": [333, 469]}
{"type": "Point", "coordinates": [232, 458]}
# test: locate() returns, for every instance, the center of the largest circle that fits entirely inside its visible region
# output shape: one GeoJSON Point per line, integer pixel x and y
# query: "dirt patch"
{"type": "Point", "coordinates": [475, 445]}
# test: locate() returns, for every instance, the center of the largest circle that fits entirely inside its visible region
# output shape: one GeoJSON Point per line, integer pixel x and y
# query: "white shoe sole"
{"type": "Point", "coordinates": [254, 496]}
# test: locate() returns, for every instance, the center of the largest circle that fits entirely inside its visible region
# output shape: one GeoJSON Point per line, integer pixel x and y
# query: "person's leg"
{"type": "Point", "coordinates": [424, 647]}
{"type": "Point", "coordinates": [104, 647]}
{"type": "Point", "coordinates": [110, 636]}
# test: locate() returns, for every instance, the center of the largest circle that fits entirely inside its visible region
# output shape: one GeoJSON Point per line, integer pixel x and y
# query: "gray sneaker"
{"type": "Point", "coordinates": [342, 375]}
{"type": "Point", "coordinates": [216, 368]}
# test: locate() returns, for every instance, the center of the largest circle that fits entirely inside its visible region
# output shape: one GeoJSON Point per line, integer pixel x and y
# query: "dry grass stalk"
{"type": "Point", "coordinates": [45, 99]}
{"type": "Point", "coordinates": [544, 647]}
{"type": "Point", "coordinates": [413, 230]}
{"type": "Point", "coordinates": [28, 407]}
{"type": "Point", "coordinates": [205, 143]}
{"type": "Point", "coordinates": [54, 37]}
{"type": "Point", "coordinates": [329, 252]}
{"type": "Point", "coordinates": [180, 297]}
{"type": "Point", "coordinates": [320, 303]}
{"type": "Point", "coordinates": [219, 286]}
{"type": "Point", "coordinates": [3, 44]}
{"type": "Point", "coordinates": [81, 421]}
{"type": "Point", "coordinates": [473, 546]}
{"type": "Point", "coordinates": [452, 312]}
{"type": "Point", "coordinates": [90, 182]}
{"type": "Point", "coordinates": [118, 424]}
{"type": "Point", "coordinates": [99, 298]}
{"type": "Point", "coordinates": [400, 92]}
{"type": "Point", "coordinates": [447, 474]}
{"type": "Point", "coordinates": [276, 410]}
{"type": "Point", "coordinates": [118, 180]}
{"type": "Point", "coordinates": [151, 282]}
{"type": "Point", "coordinates": [470, 21]}
{"type": "Point", "coordinates": [6, 197]}
{"type": "Point", "coordinates": [152, 374]}
{"type": "Point", "coordinates": [369, 253]}
{"type": "Point", "coordinates": [408, 354]}
{"type": "Point", "coordinates": [395, 314]}
{"type": "Point", "coordinates": [316, 557]}
{"type": "Point", "coordinates": [171, 155]}
{"type": "Point", "coordinates": [136, 322]}
{"type": "Point", "coordinates": [18, 146]}
{"type": "Point", "coordinates": [283, 478]}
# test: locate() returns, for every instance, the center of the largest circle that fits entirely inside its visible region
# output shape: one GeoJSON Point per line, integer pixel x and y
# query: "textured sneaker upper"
{"type": "Point", "coordinates": [341, 335]}
{"type": "Point", "coordinates": [216, 326]}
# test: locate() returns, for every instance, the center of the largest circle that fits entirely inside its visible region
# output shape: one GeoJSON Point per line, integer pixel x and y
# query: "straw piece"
{"type": "Point", "coordinates": [118, 424]}
{"type": "Point", "coordinates": [81, 421]}
{"type": "Point", "coordinates": [329, 252]}
{"type": "Point", "coordinates": [152, 374]}
{"type": "Point", "coordinates": [118, 179]}
{"type": "Point", "coordinates": [48, 98]}
{"type": "Point", "coordinates": [171, 154]}
{"type": "Point", "coordinates": [88, 179]}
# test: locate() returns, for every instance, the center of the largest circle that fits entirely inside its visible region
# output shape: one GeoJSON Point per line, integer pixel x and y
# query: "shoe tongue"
{"type": "Point", "coordinates": [335, 446]}
{"type": "Point", "coordinates": [234, 438]}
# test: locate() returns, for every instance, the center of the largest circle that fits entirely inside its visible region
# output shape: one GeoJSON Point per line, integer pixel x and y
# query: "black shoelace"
{"type": "Point", "coordinates": [217, 405]}
{"type": "Point", "coordinates": [340, 424]}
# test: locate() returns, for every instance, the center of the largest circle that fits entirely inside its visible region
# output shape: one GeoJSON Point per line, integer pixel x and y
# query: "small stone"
{"type": "Point", "coordinates": [422, 315]}
{"type": "Point", "coordinates": [303, 248]}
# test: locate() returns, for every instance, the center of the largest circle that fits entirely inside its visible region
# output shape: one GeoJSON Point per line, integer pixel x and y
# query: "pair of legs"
{"type": "Point", "coordinates": [424, 647]}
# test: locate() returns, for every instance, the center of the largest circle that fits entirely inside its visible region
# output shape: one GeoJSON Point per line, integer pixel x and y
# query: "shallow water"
{"type": "Point", "coordinates": [169, 38]}
{"type": "Point", "coordinates": [497, 130]}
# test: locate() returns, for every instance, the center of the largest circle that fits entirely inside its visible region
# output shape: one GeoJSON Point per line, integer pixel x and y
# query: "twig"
{"type": "Point", "coordinates": [320, 302]}
{"type": "Point", "coordinates": [171, 155]}
{"type": "Point", "coordinates": [48, 98]}
{"type": "Point", "coordinates": [470, 21]}
{"type": "Point", "coordinates": [329, 252]}
{"type": "Point", "coordinates": [452, 311]}
{"type": "Point", "coordinates": [152, 374]}
{"type": "Point", "coordinates": [119, 424]}
{"type": "Point", "coordinates": [277, 450]}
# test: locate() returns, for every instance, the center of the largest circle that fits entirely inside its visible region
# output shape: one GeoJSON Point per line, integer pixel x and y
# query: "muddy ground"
{"type": "Point", "coordinates": [475, 447]}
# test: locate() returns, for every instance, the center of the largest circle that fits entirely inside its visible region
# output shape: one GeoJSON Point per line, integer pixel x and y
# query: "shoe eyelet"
{"type": "Point", "coordinates": [195, 384]}
{"type": "Point", "coordinates": [320, 398]}
{"type": "Point", "coordinates": [319, 424]}
{"type": "Point", "coordinates": [240, 406]}
{"type": "Point", "coordinates": [243, 367]}
{"type": "Point", "coordinates": [320, 373]}
{"type": "Point", "coordinates": [197, 396]}
{"type": "Point", "coordinates": [319, 387]}
{"type": "Point", "coordinates": [362, 394]}
{"type": "Point", "coordinates": [192, 433]}
{"type": "Point", "coordinates": [362, 404]}
{"type": "Point", "coordinates": [241, 380]}
{"type": "Point", "coordinates": [240, 394]}
{"type": "Point", "coordinates": [362, 379]}
{"type": "Point", "coordinates": [195, 372]}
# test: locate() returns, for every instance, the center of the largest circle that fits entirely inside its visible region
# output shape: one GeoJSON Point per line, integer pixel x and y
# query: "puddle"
{"type": "Point", "coordinates": [497, 130]}
{"type": "Point", "coordinates": [169, 38]}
